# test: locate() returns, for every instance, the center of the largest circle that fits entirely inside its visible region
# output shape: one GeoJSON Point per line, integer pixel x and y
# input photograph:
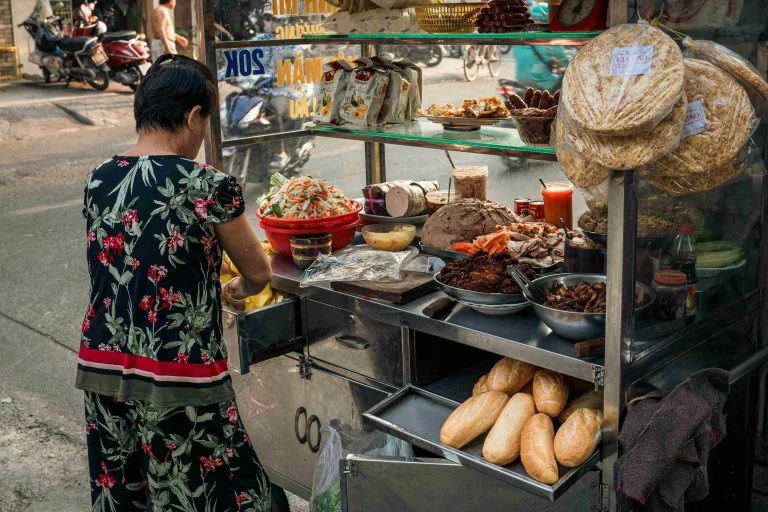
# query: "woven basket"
{"type": "Point", "coordinates": [448, 18]}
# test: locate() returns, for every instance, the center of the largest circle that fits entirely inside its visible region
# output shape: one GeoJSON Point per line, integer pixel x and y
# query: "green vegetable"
{"type": "Point", "coordinates": [719, 259]}
{"type": "Point", "coordinates": [717, 246]}
{"type": "Point", "coordinates": [328, 501]}
{"type": "Point", "coordinates": [706, 235]}
{"type": "Point", "coordinates": [277, 210]}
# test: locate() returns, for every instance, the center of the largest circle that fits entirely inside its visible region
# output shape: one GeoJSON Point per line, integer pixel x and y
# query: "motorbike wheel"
{"type": "Point", "coordinates": [435, 57]}
{"type": "Point", "coordinates": [135, 85]}
{"type": "Point", "coordinates": [46, 76]}
{"type": "Point", "coordinates": [470, 63]}
{"type": "Point", "coordinates": [494, 63]}
{"type": "Point", "coordinates": [101, 82]}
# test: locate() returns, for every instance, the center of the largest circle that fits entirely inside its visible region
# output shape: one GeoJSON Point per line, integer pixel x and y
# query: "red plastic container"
{"type": "Point", "coordinates": [280, 239]}
{"type": "Point", "coordinates": [323, 225]}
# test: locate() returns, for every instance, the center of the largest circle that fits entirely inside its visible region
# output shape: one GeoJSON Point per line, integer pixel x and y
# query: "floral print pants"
{"type": "Point", "coordinates": [195, 459]}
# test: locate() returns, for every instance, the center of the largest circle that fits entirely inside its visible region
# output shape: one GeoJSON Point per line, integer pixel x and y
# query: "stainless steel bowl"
{"type": "Point", "coordinates": [489, 299]}
{"type": "Point", "coordinates": [580, 326]}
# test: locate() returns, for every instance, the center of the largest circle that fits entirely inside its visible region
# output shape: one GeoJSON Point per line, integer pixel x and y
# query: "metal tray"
{"type": "Point", "coordinates": [488, 299]}
{"type": "Point", "coordinates": [416, 415]}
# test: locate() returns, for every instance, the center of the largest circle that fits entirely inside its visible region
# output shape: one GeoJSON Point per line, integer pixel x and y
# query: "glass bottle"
{"type": "Point", "coordinates": [684, 252]}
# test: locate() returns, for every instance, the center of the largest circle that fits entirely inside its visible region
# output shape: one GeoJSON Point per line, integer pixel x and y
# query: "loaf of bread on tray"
{"type": "Point", "coordinates": [550, 391]}
{"type": "Point", "coordinates": [472, 418]}
{"type": "Point", "coordinates": [510, 375]}
{"type": "Point", "coordinates": [578, 437]}
{"type": "Point", "coordinates": [537, 450]}
{"type": "Point", "coordinates": [502, 446]}
{"type": "Point", "coordinates": [590, 400]}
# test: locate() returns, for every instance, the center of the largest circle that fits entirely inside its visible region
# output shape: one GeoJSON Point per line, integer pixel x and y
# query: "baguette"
{"type": "Point", "coordinates": [577, 439]}
{"type": "Point", "coordinates": [502, 446]}
{"type": "Point", "coordinates": [589, 400]}
{"type": "Point", "coordinates": [550, 391]}
{"type": "Point", "coordinates": [527, 389]}
{"type": "Point", "coordinates": [509, 376]}
{"type": "Point", "coordinates": [472, 418]}
{"type": "Point", "coordinates": [480, 387]}
{"type": "Point", "coordinates": [537, 450]}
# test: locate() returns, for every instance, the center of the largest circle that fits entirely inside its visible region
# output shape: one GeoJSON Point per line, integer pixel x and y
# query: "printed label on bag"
{"type": "Point", "coordinates": [631, 60]}
{"type": "Point", "coordinates": [695, 119]}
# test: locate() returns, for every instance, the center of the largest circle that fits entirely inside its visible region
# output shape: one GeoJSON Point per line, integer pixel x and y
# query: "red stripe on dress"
{"type": "Point", "coordinates": [150, 365]}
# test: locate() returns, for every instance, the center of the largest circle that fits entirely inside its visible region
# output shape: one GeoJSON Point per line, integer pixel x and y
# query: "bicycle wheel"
{"type": "Point", "coordinates": [505, 49]}
{"type": "Point", "coordinates": [494, 62]}
{"type": "Point", "coordinates": [471, 64]}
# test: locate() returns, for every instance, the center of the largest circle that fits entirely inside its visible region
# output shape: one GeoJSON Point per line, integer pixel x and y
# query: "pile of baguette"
{"type": "Point", "coordinates": [517, 402]}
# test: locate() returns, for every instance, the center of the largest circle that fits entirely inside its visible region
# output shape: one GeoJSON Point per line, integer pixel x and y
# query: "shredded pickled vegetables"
{"type": "Point", "coordinates": [305, 197]}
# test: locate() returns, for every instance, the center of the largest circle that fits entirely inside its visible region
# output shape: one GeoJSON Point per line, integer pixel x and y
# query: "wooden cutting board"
{"type": "Point", "coordinates": [411, 286]}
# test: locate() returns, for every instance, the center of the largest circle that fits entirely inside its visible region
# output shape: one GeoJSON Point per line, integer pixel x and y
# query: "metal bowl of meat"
{"type": "Point", "coordinates": [482, 279]}
{"type": "Point", "coordinates": [575, 307]}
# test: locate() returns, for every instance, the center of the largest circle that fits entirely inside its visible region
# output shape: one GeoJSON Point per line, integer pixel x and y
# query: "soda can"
{"type": "Point", "coordinates": [522, 206]}
{"type": "Point", "coordinates": [536, 208]}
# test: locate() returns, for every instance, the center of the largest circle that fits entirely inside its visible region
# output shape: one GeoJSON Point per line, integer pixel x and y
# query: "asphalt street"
{"type": "Point", "coordinates": [46, 150]}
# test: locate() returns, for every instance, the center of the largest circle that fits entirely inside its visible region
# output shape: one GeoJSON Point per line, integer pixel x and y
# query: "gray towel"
{"type": "Point", "coordinates": [666, 441]}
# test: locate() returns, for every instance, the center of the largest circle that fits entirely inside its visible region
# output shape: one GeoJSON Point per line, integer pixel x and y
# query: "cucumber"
{"type": "Point", "coordinates": [706, 235]}
{"type": "Point", "coordinates": [718, 246]}
{"type": "Point", "coordinates": [719, 259]}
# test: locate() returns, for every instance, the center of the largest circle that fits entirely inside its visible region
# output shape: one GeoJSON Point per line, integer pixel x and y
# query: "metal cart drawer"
{"type": "Point", "coordinates": [416, 415]}
{"type": "Point", "coordinates": [383, 484]}
{"type": "Point", "coordinates": [262, 333]}
{"type": "Point", "coordinates": [355, 342]}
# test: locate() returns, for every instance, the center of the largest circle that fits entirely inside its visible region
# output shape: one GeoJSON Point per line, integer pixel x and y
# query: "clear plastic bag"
{"type": "Point", "coordinates": [326, 491]}
{"type": "Point", "coordinates": [729, 61]}
{"type": "Point", "coordinates": [356, 264]}
{"type": "Point", "coordinates": [624, 82]}
{"type": "Point", "coordinates": [719, 121]}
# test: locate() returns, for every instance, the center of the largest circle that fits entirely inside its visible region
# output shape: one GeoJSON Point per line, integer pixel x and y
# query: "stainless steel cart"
{"type": "Point", "coordinates": [325, 357]}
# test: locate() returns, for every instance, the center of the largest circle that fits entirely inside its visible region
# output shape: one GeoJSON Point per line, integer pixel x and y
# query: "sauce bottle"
{"type": "Point", "coordinates": [684, 252]}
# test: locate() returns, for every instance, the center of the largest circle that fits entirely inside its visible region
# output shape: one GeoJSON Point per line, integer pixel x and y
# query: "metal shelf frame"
{"type": "Point", "coordinates": [616, 370]}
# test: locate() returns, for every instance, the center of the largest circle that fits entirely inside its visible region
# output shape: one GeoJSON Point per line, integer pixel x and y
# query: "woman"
{"type": "Point", "coordinates": [162, 425]}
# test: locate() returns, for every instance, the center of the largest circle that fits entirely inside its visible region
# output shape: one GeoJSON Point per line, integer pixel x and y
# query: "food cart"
{"type": "Point", "coordinates": [324, 357]}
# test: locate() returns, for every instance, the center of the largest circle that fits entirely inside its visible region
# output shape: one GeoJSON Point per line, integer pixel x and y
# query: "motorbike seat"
{"type": "Point", "coordinates": [73, 44]}
{"type": "Point", "coordinates": [123, 35]}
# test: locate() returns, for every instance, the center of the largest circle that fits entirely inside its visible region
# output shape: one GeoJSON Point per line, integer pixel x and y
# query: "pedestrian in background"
{"type": "Point", "coordinates": [163, 428]}
{"type": "Point", "coordinates": [164, 30]}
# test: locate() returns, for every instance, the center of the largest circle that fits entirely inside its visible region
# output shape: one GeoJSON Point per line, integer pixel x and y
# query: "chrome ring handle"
{"type": "Point", "coordinates": [314, 448]}
{"type": "Point", "coordinates": [301, 439]}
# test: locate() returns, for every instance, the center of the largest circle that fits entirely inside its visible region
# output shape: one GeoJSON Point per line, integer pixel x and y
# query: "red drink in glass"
{"type": "Point", "coordinates": [558, 203]}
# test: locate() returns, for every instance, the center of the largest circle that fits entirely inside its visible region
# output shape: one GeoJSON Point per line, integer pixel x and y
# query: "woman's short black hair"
{"type": "Point", "coordinates": [173, 86]}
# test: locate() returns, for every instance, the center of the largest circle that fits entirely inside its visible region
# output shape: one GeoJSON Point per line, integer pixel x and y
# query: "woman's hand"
{"type": "Point", "coordinates": [244, 249]}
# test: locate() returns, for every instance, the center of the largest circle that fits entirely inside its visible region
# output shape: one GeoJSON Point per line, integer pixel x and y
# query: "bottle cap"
{"type": "Point", "coordinates": [685, 230]}
{"type": "Point", "coordinates": [673, 277]}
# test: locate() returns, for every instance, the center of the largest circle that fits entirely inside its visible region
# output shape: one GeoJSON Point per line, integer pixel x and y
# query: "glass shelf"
{"type": "Point", "coordinates": [512, 38]}
{"type": "Point", "coordinates": [488, 140]}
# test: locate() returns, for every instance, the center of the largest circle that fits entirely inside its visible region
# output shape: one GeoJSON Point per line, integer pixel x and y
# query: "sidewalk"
{"type": "Point", "coordinates": [32, 110]}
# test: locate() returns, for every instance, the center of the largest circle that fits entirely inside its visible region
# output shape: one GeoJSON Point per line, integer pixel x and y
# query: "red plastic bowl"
{"type": "Point", "coordinates": [280, 239]}
{"type": "Point", "coordinates": [323, 225]}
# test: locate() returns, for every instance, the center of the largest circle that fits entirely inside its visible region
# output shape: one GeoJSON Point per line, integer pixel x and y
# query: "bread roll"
{"type": "Point", "coordinates": [472, 418]}
{"type": "Point", "coordinates": [502, 445]}
{"type": "Point", "coordinates": [577, 439]}
{"type": "Point", "coordinates": [509, 376]}
{"type": "Point", "coordinates": [527, 389]}
{"type": "Point", "coordinates": [589, 400]}
{"type": "Point", "coordinates": [537, 450]}
{"type": "Point", "coordinates": [480, 386]}
{"type": "Point", "coordinates": [550, 392]}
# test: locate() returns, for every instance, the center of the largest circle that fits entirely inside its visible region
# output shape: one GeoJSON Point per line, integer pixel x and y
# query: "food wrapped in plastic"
{"type": "Point", "coordinates": [729, 61]}
{"type": "Point", "coordinates": [624, 153]}
{"type": "Point", "coordinates": [720, 119]}
{"type": "Point", "coordinates": [356, 264]}
{"type": "Point", "coordinates": [582, 173]}
{"type": "Point", "coordinates": [624, 82]}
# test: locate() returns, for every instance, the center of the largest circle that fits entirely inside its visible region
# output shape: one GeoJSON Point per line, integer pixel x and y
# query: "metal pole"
{"type": "Point", "coordinates": [207, 43]}
{"type": "Point", "coordinates": [375, 160]}
{"type": "Point", "coordinates": [622, 216]}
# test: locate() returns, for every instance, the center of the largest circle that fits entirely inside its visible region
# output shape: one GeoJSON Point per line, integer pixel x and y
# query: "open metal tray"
{"type": "Point", "coordinates": [416, 415]}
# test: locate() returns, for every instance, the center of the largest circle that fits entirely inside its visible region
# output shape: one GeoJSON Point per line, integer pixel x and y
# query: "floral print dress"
{"type": "Point", "coordinates": [162, 424]}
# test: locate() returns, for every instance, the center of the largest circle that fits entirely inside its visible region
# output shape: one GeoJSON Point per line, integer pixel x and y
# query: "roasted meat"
{"type": "Point", "coordinates": [485, 273]}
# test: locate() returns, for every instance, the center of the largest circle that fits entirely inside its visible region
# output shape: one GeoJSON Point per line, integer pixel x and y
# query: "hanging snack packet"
{"type": "Point", "coordinates": [365, 94]}
{"type": "Point", "coordinates": [334, 86]}
{"type": "Point", "coordinates": [413, 72]}
{"type": "Point", "coordinates": [395, 107]}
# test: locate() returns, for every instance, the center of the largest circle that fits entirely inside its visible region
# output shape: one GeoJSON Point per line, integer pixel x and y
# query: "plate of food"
{"type": "Point", "coordinates": [469, 116]}
{"type": "Point", "coordinates": [483, 279]}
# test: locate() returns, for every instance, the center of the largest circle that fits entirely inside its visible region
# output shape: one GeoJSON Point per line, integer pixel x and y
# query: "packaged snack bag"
{"type": "Point", "coordinates": [365, 94]}
{"type": "Point", "coordinates": [334, 85]}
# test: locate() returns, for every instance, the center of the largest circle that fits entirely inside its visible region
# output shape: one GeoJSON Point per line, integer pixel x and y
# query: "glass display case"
{"type": "Point", "coordinates": [659, 327]}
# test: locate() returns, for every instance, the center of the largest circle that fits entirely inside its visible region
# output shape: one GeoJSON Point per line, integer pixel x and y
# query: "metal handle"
{"type": "Point", "coordinates": [316, 447]}
{"type": "Point", "coordinates": [351, 341]}
{"type": "Point", "coordinates": [299, 412]}
{"type": "Point", "coordinates": [749, 364]}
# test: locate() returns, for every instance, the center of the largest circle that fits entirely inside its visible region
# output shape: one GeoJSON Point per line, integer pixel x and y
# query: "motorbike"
{"type": "Point", "coordinates": [428, 54]}
{"type": "Point", "coordinates": [66, 58]}
{"type": "Point", "coordinates": [251, 112]}
{"type": "Point", "coordinates": [127, 52]}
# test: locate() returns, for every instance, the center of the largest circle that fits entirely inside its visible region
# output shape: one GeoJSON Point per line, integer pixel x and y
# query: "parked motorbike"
{"type": "Point", "coordinates": [127, 53]}
{"type": "Point", "coordinates": [66, 58]}
{"type": "Point", "coordinates": [428, 54]}
{"type": "Point", "coordinates": [251, 112]}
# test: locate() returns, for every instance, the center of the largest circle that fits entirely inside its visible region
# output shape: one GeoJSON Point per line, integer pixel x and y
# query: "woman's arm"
{"type": "Point", "coordinates": [244, 249]}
